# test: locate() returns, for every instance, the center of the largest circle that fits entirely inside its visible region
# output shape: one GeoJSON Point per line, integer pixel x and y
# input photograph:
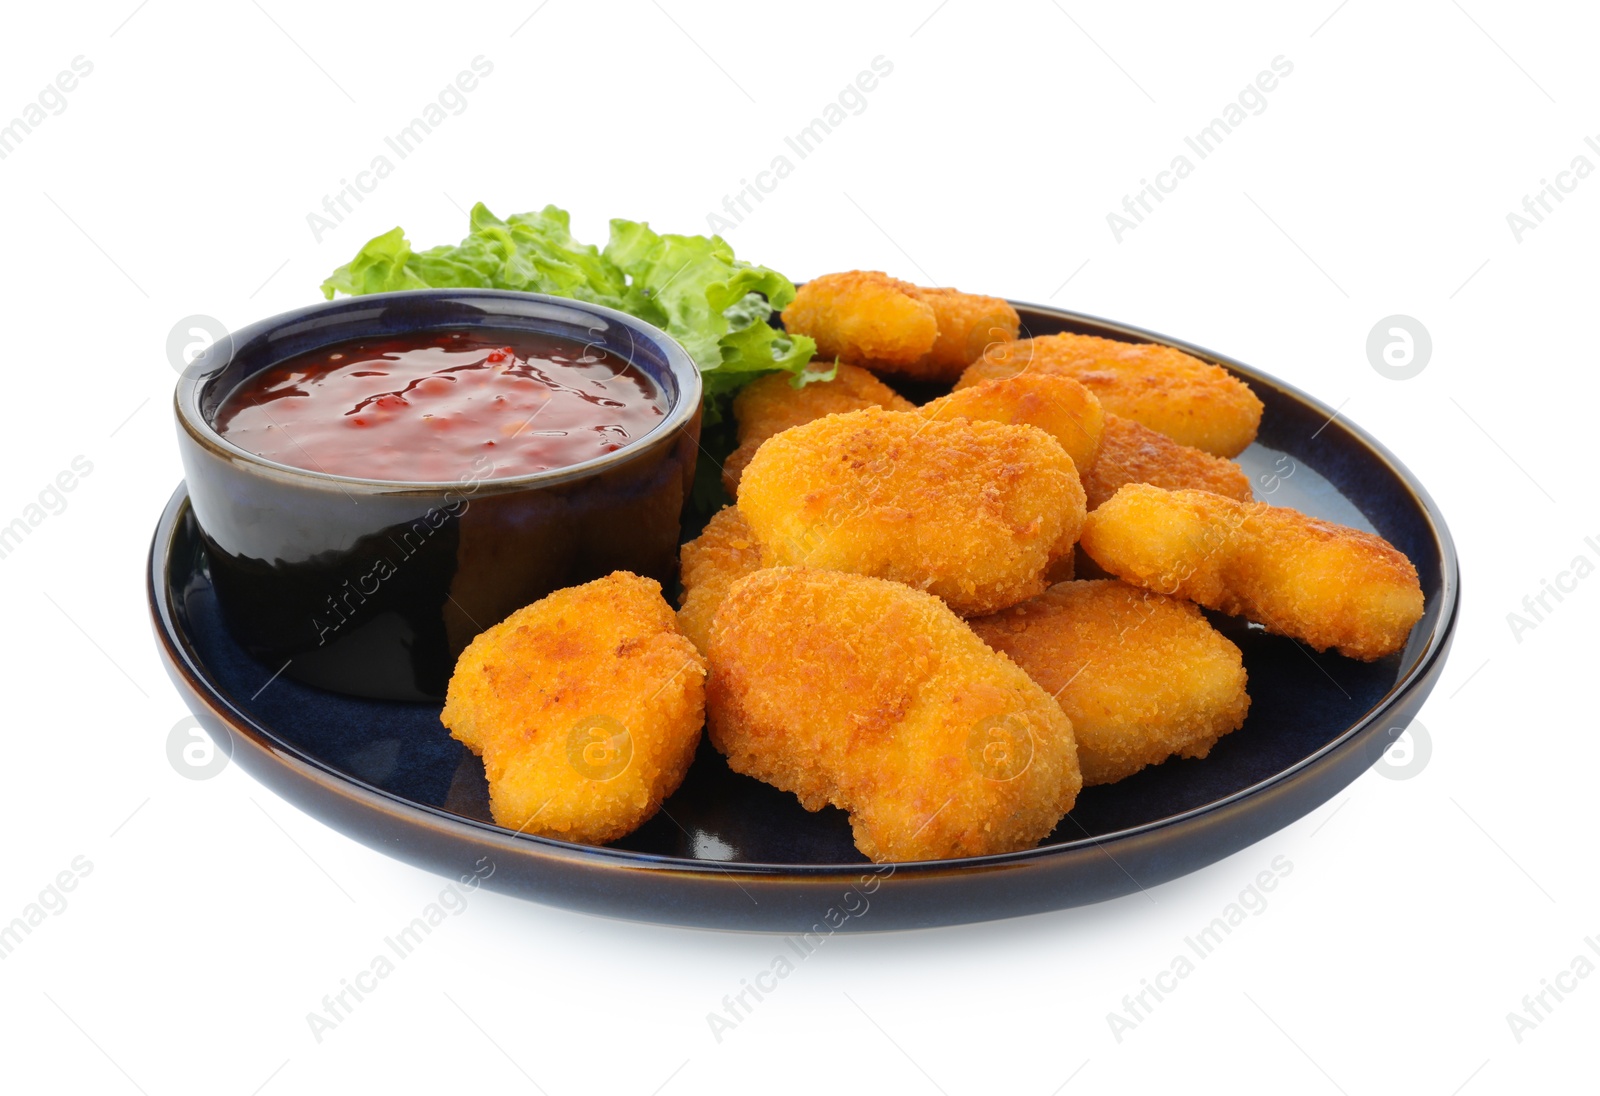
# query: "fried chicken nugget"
{"type": "Point", "coordinates": [864, 316]}
{"type": "Point", "coordinates": [770, 405]}
{"type": "Point", "coordinates": [724, 552]}
{"type": "Point", "coordinates": [893, 326]}
{"type": "Point", "coordinates": [876, 698]}
{"type": "Point", "coordinates": [973, 512]}
{"type": "Point", "coordinates": [1190, 401]}
{"type": "Point", "coordinates": [1298, 576]}
{"type": "Point", "coordinates": [586, 707]}
{"type": "Point", "coordinates": [1131, 452]}
{"type": "Point", "coordinates": [1141, 676]}
{"type": "Point", "coordinates": [1059, 406]}
{"type": "Point", "coordinates": [968, 325]}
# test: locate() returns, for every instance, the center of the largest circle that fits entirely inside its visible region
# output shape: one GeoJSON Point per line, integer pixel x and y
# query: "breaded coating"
{"type": "Point", "coordinates": [770, 405]}
{"type": "Point", "coordinates": [1188, 400]}
{"type": "Point", "coordinates": [1328, 585]}
{"type": "Point", "coordinates": [586, 707]}
{"type": "Point", "coordinates": [879, 700]}
{"type": "Point", "coordinates": [1062, 569]}
{"type": "Point", "coordinates": [1141, 676]}
{"type": "Point", "coordinates": [724, 552]}
{"type": "Point", "coordinates": [864, 316]}
{"type": "Point", "coordinates": [969, 324]}
{"type": "Point", "coordinates": [972, 512]}
{"type": "Point", "coordinates": [1131, 452]}
{"type": "Point", "coordinates": [1059, 406]}
{"type": "Point", "coordinates": [893, 326]}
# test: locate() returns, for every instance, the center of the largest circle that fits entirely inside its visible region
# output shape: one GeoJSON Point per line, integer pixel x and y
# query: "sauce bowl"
{"type": "Point", "coordinates": [373, 587]}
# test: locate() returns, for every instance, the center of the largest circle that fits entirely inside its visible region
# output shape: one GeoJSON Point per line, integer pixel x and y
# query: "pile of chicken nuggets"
{"type": "Point", "coordinates": [887, 621]}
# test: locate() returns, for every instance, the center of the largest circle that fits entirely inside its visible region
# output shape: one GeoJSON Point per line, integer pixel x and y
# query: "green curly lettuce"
{"type": "Point", "coordinates": [717, 306]}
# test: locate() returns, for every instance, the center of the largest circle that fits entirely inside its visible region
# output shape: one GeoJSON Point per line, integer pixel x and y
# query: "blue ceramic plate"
{"type": "Point", "coordinates": [730, 852]}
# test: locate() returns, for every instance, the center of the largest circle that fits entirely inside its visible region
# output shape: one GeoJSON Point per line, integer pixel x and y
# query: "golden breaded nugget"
{"type": "Point", "coordinates": [1059, 406]}
{"type": "Point", "coordinates": [864, 316]}
{"type": "Point", "coordinates": [973, 512]}
{"type": "Point", "coordinates": [724, 552]}
{"type": "Point", "coordinates": [770, 405]}
{"type": "Point", "coordinates": [968, 325]}
{"type": "Point", "coordinates": [879, 700]}
{"type": "Point", "coordinates": [586, 707]}
{"type": "Point", "coordinates": [1141, 676]}
{"type": "Point", "coordinates": [1190, 401]}
{"type": "Point", "coordinates": [892, 326]}
{"type": "Point", "coordinates": [1296, 575]}
{"type": "Point", "coordinates": [1131, 452]}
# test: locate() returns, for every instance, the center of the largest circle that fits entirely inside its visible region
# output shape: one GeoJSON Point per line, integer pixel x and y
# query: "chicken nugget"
{"type": "Point", "coordinates": [876, 698]}
{"type": "Point", "coordinates": [586, 708]}
{"type": "Point", "coordinates": [892, 326]}
{"type": "Point", "coordinates": [1058, 405]}
{"type": "Point", "coordinates": [770, 405]}
{"type": "Point", "coordinates": [1131, 452]}
{"type": "Point", "coordinates": [864, 316]}
{"type": "Point", "coordinates": [1141, 676]}
{"type": "Point", "coordinates": [1297, 576]}
{"type": "Point", "coordinates": [973, 512]}
{"type": "Point", "coordinates": [724, 552]}
{"type": "Point", "coordinates": [969, 324]}
{"type": "Point", "coordinates": [1188, 400]}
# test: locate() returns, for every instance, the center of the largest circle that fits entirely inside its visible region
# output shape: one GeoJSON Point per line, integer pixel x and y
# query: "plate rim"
{"type": "Point", "coordinates": [183, 662]}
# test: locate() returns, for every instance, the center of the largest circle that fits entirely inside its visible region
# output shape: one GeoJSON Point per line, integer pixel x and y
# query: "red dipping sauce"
{"type": "Point", "coordinates": [443, 406]}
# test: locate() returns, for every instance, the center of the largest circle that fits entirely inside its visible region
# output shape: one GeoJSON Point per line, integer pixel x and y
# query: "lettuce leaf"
{"type": "Point", "coordinates": [715, 305]}
{"type": "Point", "coordinates": [711, 302]}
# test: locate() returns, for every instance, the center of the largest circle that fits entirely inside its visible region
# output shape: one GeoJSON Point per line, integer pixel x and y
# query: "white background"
{"type": "Point", "coordinates": [1418, 913]}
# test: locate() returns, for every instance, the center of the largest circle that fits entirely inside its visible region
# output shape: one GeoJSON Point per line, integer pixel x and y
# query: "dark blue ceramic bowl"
{"type": "Point", "coordinates": [373, 587]}
{"type": "Point", "coordinates": [730, 852]}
